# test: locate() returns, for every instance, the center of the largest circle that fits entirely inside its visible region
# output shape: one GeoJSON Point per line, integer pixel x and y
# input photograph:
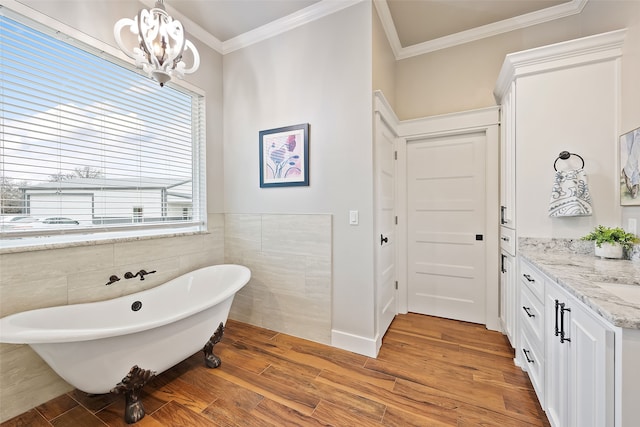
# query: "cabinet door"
{"type": "Point", "coordinates": [579, 358]}
{"type": "Point", "coordinates": [556, 360]}
{"type": "Point", "coordinates": [591, 371]}
{"type": "Point", "coordinates": [507, 159]}
{"type": "Point", "coordinates": [508, 303]}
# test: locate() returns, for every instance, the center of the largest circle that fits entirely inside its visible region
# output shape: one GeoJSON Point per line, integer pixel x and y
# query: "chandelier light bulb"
{"type": "Point", "coordinates": [161, 44]}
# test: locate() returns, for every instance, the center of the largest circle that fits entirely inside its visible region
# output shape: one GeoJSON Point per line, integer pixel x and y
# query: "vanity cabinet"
{"type": "Point", "coordinates": [568, 352]}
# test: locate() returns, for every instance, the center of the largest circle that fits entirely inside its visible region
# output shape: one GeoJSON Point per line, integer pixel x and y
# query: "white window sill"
{"type": "Point", "coordinates": [30, 244]}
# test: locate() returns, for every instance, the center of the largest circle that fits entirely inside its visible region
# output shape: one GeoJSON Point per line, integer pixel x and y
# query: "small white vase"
{"type": "Point", "coordinates": [609, 250]}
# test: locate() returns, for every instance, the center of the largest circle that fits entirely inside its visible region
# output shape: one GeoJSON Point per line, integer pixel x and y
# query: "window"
{"type": "Point", "coordinates": [137, 213]}
{"type": "Point", "coordinates": [88, 144]}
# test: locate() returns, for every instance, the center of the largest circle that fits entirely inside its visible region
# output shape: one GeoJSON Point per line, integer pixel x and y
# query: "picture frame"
{"type": "Point", "coordinates": [630, 168]}
{"type": "Point", "coordinates": [284, 156]}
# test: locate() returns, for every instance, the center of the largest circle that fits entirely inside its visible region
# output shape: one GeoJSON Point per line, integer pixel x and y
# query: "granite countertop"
{"type": "Point", "coordinates": [586, 277]}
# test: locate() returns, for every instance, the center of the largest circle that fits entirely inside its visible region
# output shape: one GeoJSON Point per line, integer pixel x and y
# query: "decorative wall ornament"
{"type": "Point", "coordinates": [284, 156]}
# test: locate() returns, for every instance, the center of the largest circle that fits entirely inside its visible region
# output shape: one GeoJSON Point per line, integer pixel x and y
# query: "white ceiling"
{"type": "Point", "coordinates": [412, 26]}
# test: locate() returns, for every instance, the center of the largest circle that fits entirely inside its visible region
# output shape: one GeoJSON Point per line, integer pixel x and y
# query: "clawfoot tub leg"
{"type": "Point", "coordinates": [131, 385]}
{"type": "Point", "coordinates": [210, 359]}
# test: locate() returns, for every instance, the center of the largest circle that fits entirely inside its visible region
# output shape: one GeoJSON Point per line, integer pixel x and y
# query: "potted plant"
{"type": "Point", "coordinates": [610, 242]}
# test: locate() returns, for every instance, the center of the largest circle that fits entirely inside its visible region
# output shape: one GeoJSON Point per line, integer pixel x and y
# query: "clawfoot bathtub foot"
{"type": "Point", "coordinates": [210, 359]}
{"type": "Point", "coordinates": [131, 385]}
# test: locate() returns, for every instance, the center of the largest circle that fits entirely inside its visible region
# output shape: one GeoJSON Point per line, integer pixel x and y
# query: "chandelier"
{"type": "Point", "coordinates": [161, 44]}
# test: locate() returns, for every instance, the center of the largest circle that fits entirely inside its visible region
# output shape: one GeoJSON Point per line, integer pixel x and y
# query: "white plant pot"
{"type": "Point", "coordinates": [609, 250]}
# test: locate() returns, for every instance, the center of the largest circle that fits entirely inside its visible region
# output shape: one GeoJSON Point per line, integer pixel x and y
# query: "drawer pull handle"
{"type": "Point", "coordinates": [563, 337]}
{"type": "Point", "coordinates": [529, 279]}
{"type": "Point", "coordinates": [556, 328]}
{"type": "Point", "coordinates": [528, 311]}
{"type": "Point", "coordinates": [526, 355]}
{"type": "Point", "coordinates": [506, 239]}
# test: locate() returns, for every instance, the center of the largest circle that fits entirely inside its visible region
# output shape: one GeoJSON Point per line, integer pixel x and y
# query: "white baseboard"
{"type": "Point", "coordinates": [355, 343]}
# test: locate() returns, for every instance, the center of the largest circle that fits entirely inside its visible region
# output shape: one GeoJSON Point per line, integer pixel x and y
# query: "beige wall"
{"type": "Point", "coordinates": [384, 62]}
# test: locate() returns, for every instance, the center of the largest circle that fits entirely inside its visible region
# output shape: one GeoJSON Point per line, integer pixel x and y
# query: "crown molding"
{"type": "Point", "coordinates": [549, 14]}
{"type": "Point", "coordinates": [304, 16]}
{"type": "Point", "coordinates": [596, 48]}
{"type": "Point", "coordinates": [382, 7]}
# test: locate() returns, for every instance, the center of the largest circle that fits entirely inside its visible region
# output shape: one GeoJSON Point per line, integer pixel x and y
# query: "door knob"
{"type": "Point", "coordinates": [383, 239]}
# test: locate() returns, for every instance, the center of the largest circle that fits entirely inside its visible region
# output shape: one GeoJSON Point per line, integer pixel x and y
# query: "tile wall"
{"type": "Point", "coordinates": [290, 261]}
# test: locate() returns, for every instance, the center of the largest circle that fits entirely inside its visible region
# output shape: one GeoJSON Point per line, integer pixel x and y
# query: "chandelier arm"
{"type": "Point", "coordinates": [117, 33]}
{"type": "Point", "coordinates": [196, 57]}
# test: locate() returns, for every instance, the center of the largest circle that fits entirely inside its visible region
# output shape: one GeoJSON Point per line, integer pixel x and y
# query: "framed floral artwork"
{"type": "Point", "coordinates": [284, 156]}
{"type": "Point", "coordinates": [630, 164]}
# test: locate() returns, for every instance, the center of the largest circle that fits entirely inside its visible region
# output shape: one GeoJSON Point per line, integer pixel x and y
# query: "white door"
{"type": "Point", "coordinates": [446, 220]}
{"type": "Point", "coordinates": [385, 225]}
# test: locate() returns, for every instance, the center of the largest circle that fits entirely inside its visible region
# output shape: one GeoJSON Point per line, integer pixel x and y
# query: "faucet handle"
{"type": "Point", "coordinates": [112, 279]}
{"type": "Point", "coordinates": [129, 275]}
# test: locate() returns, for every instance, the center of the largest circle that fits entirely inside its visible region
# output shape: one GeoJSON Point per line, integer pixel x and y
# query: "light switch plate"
{"type": "Point", "coordinates": [353, 217]}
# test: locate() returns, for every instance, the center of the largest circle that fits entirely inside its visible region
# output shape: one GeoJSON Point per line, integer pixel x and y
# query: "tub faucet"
{"type": "Point", "coordinates": [143, 273]}
{"type": "Point", "coordinates": [140, 274]}
{"type": "Point", "coordinates": [112, 279]}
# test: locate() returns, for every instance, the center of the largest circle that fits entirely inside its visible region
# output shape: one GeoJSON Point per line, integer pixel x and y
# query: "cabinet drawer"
{"type": "Point", "coordinates": [532, 279]}
{"type": "Point", "coordinates": [532, 315]}
{"type": "Point", "coordinates": [533, 360]}
{"type": "Point", "coordinates": [508, 240]}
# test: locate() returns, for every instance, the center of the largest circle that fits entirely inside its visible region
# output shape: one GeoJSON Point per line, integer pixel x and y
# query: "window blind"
{"type": "Point", "coordinates": [89, 145]}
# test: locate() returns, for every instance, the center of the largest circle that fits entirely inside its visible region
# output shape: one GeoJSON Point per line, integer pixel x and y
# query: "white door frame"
{"type": "Point", "coordinates": [383, 113]}
{"type": "Point", "coordinates": [485, 120]}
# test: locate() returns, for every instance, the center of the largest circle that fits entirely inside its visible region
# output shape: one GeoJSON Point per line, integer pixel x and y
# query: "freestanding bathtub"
{"type": "Point", "coordinates": [94, 346]}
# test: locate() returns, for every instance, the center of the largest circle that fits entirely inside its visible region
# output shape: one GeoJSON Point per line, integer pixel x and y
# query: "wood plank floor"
{"type": "Point", "coordinates": [430, 372]}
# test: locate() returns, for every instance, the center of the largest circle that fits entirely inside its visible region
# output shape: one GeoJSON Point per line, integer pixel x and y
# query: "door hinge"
{"type": "Point", "coordinates": [396, 219]}
{"type": "Point", "coordinates": [395, 155]}
{"type": "Point", "coordinates": [396, 285]}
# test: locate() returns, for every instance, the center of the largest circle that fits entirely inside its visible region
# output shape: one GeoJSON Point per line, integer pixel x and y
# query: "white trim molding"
{"type": "Point", "coordinates": [444, 123]}
{"type": "Point", "coordinates": [304, 16]}
{"type": "Point", "coordinates": [355, 343]}
{"type": "Point", "coordinates": [485, 121]}
{"type": "Point", "coordinates": [538, 17]}
{"type": "Point", "coordinates": [596, 48]}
